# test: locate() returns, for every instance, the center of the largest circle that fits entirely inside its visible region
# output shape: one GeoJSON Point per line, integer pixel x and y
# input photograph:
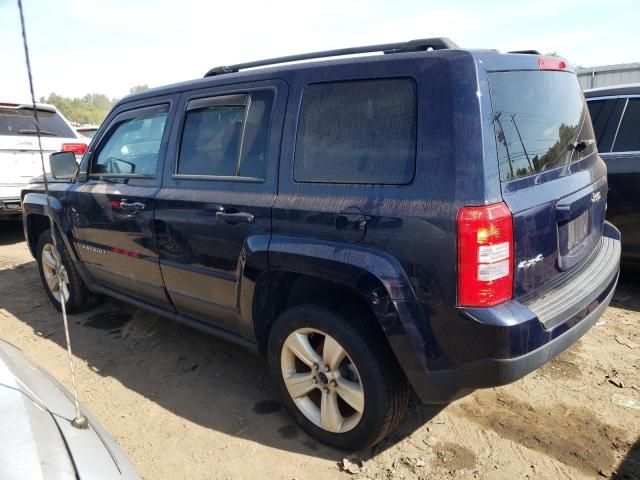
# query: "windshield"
{"type": "Point", "coordinates": [540, 121]}
{"type": "Point", "coordinates": [19, 121]}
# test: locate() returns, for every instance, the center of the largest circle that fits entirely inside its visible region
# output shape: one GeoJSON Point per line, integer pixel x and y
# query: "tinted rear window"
{"type": "Point", "coordinates": [628, 138]}
{"type": "Point", "coordinates": [605, 115]}
{"type": "Point", "coordinates": [19, 121]}
{"type": "Point", "coordinates": [357, 132]}
{"type": "Point", "coordinates": [540, 120]}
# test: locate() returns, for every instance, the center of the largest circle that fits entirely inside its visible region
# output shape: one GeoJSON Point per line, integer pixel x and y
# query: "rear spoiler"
{"type": "Point", "coordinates": [28, 106]}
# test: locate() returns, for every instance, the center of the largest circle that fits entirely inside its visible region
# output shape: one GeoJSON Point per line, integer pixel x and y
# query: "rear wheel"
{"type": "Point", "coordinates": [73, 290]}
{"type": "Point", "coordinates": [337, 377]}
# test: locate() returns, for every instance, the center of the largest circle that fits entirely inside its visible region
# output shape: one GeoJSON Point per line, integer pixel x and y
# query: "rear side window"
{"type": "Point", "coordinates": [133, 146]}
{"type": "Point", "coordinates": [357, 132]}
{"type": "Point", "coordinates": [540, 120]}
{"type": "Point", "coordinates": [628, 138]}
{"type": "Point", "coordinates": [226, 136]}
{"type": "Point", "coordinates": [19, 121]}
{"type": "Point", "coordinates": [605, 115]}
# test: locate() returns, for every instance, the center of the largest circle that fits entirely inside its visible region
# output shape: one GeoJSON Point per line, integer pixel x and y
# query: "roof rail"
{"type": "Point", "coordinates": [437, 43]}
{"type": "Point", "coordinates": [526, 52]}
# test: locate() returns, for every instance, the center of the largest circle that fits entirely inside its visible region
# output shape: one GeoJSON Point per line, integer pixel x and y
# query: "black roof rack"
{"type": "Point", "coordinates": [437, 43]}
{"type": "Point", "coordinates": [526, 52]}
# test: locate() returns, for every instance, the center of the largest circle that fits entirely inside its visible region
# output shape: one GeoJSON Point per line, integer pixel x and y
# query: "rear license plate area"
{"type": "Point", "coordinates": [577, 230]}
{"type": "Point", "coordinates": [575, 239]}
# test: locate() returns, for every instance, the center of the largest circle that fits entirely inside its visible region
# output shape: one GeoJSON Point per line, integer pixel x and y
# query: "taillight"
{"type": "Point", "coordinates": [77, 148]}
{"type": "Point", "coordinates": [551, 63]}
{"type": "Point", "coordinates": [485, 255]}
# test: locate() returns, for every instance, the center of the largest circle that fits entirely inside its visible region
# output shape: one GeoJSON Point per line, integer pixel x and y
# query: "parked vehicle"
{"type": "Point", "coordinates": [37, 439]}
{"type": "Point", "coordinates": [615, 112]}
{"type": "Point", "coordinates": [19, 150]}
{"type": "Point", "coordinates": [424, 218]}
{"type": "Point", "coordinates": [87, 130]}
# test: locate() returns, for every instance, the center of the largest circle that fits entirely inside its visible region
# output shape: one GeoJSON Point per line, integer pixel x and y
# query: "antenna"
{"type": "Point", "coordinates": [80, 421]}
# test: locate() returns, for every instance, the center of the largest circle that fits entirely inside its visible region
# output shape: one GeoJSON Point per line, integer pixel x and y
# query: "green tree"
{"type": "Point", "coordinates": [90, 109]}
{"type": "Point", "coordinates": [139, 88]}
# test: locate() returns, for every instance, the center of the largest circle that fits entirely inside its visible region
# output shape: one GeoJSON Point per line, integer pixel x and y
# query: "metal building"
{"type": "Point", "coordinates": [606, 75]}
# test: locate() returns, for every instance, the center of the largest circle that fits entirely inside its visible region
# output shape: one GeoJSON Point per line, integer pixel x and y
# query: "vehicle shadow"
{"type": "Point", "coordinates": [627, 294]}
{"type": "Point", "coordinates": [11, 231]}
{"type": "Point", "coordinates": [629, 469]}
{"type": "Point", "coordinates": [202, 379]}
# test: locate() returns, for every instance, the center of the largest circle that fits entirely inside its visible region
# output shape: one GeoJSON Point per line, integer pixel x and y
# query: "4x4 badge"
{"type": "Point", "coordinates": [595, 197]}
{"type": "Point", "coordinates": [531, 262]}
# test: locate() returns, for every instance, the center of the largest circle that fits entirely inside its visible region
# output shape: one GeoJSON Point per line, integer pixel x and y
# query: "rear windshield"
{"type": "Point", "coordinates": [19, 121]}
{"type": "Point", "coordinates": [540, 120]}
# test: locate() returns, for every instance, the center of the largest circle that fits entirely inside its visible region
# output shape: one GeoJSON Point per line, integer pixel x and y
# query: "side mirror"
{"type": "Point", "coordinates": [63, 165]}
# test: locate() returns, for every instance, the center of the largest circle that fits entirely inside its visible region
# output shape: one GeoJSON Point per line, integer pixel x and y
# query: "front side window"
{"type": "Point", "coordinates": [628, 138]}
{"type": "Point", "coordinates": [226, 136]}
{"type": "Point", "coordinates": [133, 147]}
{"type": "Point", "coordinates": [358, 132]}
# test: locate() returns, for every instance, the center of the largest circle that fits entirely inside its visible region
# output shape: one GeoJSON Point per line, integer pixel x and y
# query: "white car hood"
{"type": "Point", "coordinates": [37, 440]}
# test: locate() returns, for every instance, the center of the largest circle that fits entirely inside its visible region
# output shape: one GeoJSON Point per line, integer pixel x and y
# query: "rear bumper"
{"type": "Point", "coordinates": [513, 339]}
{"type": "Point", "coordinates": [10, 206]}
{"type": "Point", "coordinates": [10, 203]}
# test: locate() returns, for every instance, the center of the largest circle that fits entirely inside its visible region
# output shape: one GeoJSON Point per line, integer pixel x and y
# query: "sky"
{"type": "Point", "coordinates": [88, 46]}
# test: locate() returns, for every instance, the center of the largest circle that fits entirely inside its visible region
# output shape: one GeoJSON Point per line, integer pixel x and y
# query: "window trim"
{"type": "Point", "coordinates": [611, 97]}
{"type": "Point", "coordinates": [163, 107]}
{"type": "Point", "coordinates": [615, 135]}
{"type": "Point", "coordinates": [228, 99]}
{"type": "Point", "coordinates": [235, 100]}
{"type": "Point", "coordinates": [631, 153]}
{"type": "Point", "coordinates": [359, 184]}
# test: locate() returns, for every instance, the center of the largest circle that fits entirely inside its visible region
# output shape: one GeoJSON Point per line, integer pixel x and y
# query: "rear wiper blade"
{"type": "Point", "coordinates": [581, 145]}
{"type": "Point", "coordinates": [27, 131]}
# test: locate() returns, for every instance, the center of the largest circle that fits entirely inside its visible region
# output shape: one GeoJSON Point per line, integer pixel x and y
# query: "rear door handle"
{"type": "Point", "coordinates": [239, 217]}
{"type": "Point", "coordinates": [132, 207]}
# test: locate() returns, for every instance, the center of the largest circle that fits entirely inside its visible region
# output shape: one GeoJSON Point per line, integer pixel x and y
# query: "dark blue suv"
{"type": "Point", "coordinates": [429, 217]}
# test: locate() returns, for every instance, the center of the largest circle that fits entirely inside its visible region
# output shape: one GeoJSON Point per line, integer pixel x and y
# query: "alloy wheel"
{"type": "Point", "coordinates": [48, 261]}
{"type": "Point", "coordinates": [322, 380]}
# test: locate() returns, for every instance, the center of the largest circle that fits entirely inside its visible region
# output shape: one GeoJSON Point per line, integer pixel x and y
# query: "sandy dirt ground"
{"type": "Point", "coordinates": [184, 405]}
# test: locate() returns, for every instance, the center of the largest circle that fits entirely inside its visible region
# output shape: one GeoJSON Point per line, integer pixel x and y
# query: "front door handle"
{"type": "Point", "coordinates": [239, 217]}
{"type": "Point", "coordinates": [132, 207]}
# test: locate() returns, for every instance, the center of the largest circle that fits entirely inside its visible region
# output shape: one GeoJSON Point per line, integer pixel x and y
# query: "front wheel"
{"type": "Point", "coordinates": [337, 376]}
{"type": "Point", "coordinates": [72, 288]}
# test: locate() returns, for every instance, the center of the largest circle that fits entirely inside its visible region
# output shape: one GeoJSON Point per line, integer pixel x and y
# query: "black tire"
{"type": "Point", "coordinates": [80, 298]}
{"type": "Point", "coordinates": [386, 392]}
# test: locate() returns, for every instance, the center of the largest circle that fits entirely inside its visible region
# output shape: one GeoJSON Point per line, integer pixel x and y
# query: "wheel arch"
{"type": "Point", "coordinates": [35, 224]}
{"type": "Point", "coordinates": [278, 290]}
{"type": "Point", "coordinates": [36, 220]}
{"type": "Point", "coordinates": [314, 271]}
